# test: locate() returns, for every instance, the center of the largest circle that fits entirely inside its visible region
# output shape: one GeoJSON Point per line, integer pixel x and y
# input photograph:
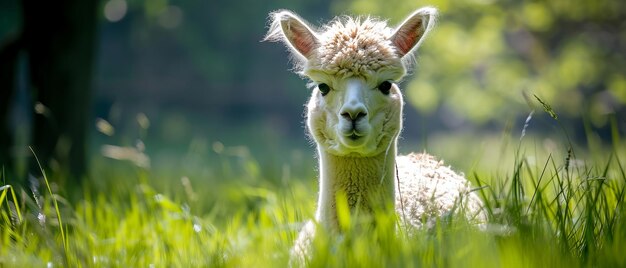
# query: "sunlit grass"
{"type": "Point", "coordinates": [547, 209]}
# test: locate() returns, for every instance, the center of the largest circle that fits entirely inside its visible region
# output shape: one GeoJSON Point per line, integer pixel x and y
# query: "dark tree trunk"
{"type": "Point", "coordinates": [58, 38]}
{"type": "Point", "coordinates": [9, 51]}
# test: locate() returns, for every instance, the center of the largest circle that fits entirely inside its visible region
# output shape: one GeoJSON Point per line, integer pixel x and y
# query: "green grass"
{"type": "Point", "coordinates": [560, 209]}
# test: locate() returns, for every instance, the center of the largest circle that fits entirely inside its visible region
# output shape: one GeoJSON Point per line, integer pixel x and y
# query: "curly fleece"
{"type": "Point", "coordinates": [354, 47]}
{"type": "Point", "coordinates": [429, 189]}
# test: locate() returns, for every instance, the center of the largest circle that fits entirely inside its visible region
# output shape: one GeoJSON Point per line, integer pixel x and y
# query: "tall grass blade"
{"type": "Point", "coordinates": [614, 132]}
{"type": "Point", "coordinates": [54, 201]}
{"type": "Point", "coordinates": [17, 205]}
{"type": "Point", "coordinates": [538, 185]}
{"type": "Point", "coordinates": [8, 188]}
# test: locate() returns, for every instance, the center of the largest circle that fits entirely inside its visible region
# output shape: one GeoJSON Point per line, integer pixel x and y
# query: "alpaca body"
{"type": "Point", "coordinates": [425, 190]}
{"type": "Point", "coordinates": [428, 189]}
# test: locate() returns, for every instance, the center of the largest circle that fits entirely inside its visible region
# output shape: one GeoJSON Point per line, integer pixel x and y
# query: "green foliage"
{"type": "Point", "coordinates": [483, 54]}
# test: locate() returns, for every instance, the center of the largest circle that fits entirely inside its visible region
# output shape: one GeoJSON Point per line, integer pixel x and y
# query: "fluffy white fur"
{"type": "Point", "coordinates": [355, 116]}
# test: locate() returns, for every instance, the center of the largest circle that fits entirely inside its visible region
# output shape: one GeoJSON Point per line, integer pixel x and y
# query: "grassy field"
{"type": "Point", "coordinates": [563, 208]}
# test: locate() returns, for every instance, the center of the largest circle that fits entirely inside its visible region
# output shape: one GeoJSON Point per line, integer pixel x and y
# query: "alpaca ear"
{"type": "Point", "coordinates": [410, 33]}
{"type": "Point", "coordinates": [287, 27]}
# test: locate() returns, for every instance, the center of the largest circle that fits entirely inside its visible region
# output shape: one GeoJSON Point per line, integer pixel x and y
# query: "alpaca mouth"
{"type": "Point", "coordinates": [353, 134]}
{"type": "Point", "coordinates": [354, 137]}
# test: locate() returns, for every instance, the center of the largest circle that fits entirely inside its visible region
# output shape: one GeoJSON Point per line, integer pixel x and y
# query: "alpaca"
{"type": "Point", "coordinates": [354, 116]}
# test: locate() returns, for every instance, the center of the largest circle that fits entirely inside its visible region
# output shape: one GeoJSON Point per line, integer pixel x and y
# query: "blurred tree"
{"type": "Point", "coordinates": [58, 39]}
{"type": "Point", "coordinates": [8, 60]}
{"type": "Point", "coordinates": [483, 54]}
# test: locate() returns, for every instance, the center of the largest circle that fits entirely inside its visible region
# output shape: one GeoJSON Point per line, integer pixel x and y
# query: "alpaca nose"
{"type": "Point", "coordinates": [353, 108]}
{"type": "Point", "coordinates": [353, 112]}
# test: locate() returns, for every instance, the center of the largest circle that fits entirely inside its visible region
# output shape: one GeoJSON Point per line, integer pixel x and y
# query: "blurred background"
{"type": "Point", "coordinates": [176, 87]}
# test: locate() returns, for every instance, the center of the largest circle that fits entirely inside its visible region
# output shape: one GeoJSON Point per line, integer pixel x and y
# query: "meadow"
{"type": "Point", "coordinates": [555, 207]}
{"type": "Point", "coordinates": [175, 191]}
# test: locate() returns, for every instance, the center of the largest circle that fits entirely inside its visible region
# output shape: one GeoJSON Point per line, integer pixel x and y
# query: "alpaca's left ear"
{"type": "Point", "coordinates": [410, 33]}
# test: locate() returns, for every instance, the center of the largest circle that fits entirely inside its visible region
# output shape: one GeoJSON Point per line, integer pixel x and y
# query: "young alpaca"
{"type": "Point", "coordinates": [355, 116]}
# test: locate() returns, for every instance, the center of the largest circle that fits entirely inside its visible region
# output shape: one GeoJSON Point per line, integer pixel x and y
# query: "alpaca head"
{"type": "Point", "coordinates": [354, 66]}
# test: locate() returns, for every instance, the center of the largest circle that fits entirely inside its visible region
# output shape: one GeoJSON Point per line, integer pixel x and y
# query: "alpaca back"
{"type": "Point", "coordinates": [428, 190]}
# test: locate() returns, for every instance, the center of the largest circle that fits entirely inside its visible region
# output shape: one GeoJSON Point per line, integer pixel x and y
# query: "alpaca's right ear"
{"type": "Point", "coordinates": [293, 31]}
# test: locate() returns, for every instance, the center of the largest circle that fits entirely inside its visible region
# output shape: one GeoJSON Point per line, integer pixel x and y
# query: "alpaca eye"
{"type": "Point", "coordinates": [324, 88]}
{"type": "Point", "coordinates": [384, 87]}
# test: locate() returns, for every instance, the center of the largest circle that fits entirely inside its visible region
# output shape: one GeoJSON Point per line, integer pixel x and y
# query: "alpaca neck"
{"type": "Point", "coordinates": [367, 182]}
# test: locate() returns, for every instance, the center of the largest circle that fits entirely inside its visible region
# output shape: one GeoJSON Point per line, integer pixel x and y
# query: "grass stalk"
{"type": "Point", "coordinates": [55, 203]}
